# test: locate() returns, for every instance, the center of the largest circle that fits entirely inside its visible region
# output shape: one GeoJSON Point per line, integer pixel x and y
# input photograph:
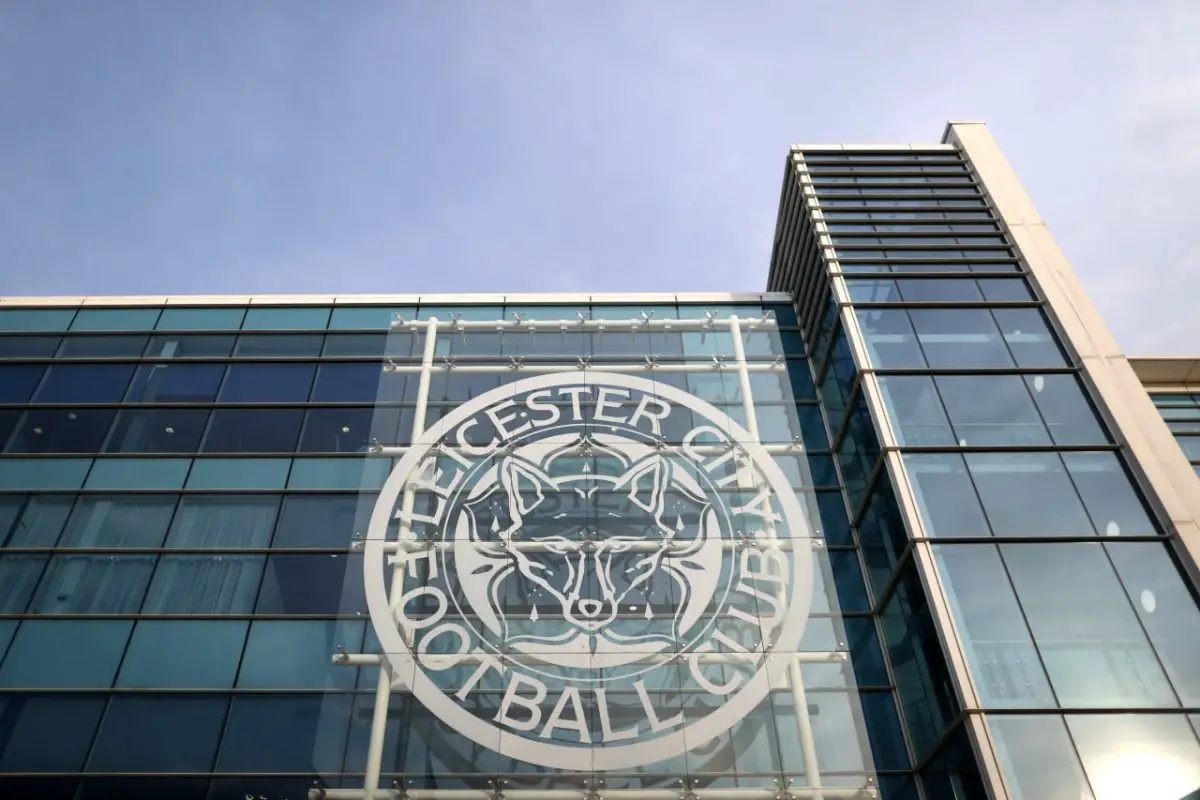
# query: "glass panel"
{"type": "Point", "coordinates": [258, 474]}
{"type": "Point", "coordinates": [890, 339]}
{"type": "Point", "coordinates": [243, 430]}
{"type": "Point", "coordinates": [1008, 672]}
{"type": "Point", "coordinates": [939, 289]}
{"type": "Point", "coordinates": [347, 383]}
{"type": "Point", "coordinates": [1037, 757]}
{"type": "Point", "coordinates": [65, 653]}
{"type": "Point", "coordinates": [1167, 609]}
{"type": "Point", "coordinates": [338, 473]}
{"type": "Point", "coordinates": [176, 383]}
{"type": "Point", "coordinates": [204, 345]}
{"type": "Point", "coordinates": [36, 319]}
{"type": "Point", "coordinates": [65, 430]}
{"type": "Point", "coordinates": [159, 733]}
{"type": "Point", "coordinates": [183, 654]}
{"type": "Point", "coordinates": [916, 413]}
{"type": "Point", "coordinates": [1061, 401]}
{"type": "Point", "coordinates": [1049, 505]}
{"type": "Point", "coordinates": [17, 381]}
{"type": "Point", "coordinates": [1005, 290]}
{"type": "Point", "coordinates": [1137, 755]}
{"type": "Point", "coordinates": [102, 346]}
{"type": "Point", "coordinates": [1029, 337]}
{"type": "Point", "coordinates": [267, 383]}
{"type": "Point", "coordinates": [954, 773]}
{"type": "Point", "coordinates": [872, 291]}
{"type": "Point", "coordinates": [991, 410]}
{"type": "Point", "coordinates": [38, 520]}
{"type": "Point", "coordinates": [370, 345]}
{"type": "Point", "coordinates": [298, 654]}
{"type": "Point", "coordinates": [28, 347]}
{"type": "Point", "coordinates": [319, 520]}
{"type": "Point", "coordinates": [158, 430]}
{"type": "Point", "coordinates": [23, 474]}
{"type": "Point", "coordinates": [368, 317]}
{"type": "Point", "coordinates": [204, 584]}
{"type": "Point", "coordinates": [286, 319]}
{"type": "Point", "coordinates": [312, 584]}
{"type": "Point", "coordinates": [139, 473]}
{"type": "Point", "coordinates": [115, 319]}
{"type": "Point", "coordinates": [285, 733]}
{"type": "Point", "coordinates": [84, 383]}
{"type": "Point", "coordinates": [224, 521]}
{"type": "Point", "coordinates": [123, 520]}
{"type": "Point", "coordinates": [19, 576]}
{"type": "Point", "coordinates": [93, 584]}
{"type": "Point", "coordinates": [201, 319]}
{"type": "Point", "coordinates": [282, 345]}
{"type": "Point", "coordinates": [959, 338]}
{"type": "Point", "coordinates": [1108, 494]}
{"type": "Point", "coordinates": [1092, 645]}
{"type": "Point", "coordinates": [47, 733]}
{"type": "Point", "coordinates": [338, 430]}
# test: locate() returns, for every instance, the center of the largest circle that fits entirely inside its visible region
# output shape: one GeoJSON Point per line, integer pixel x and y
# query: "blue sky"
{"type": "Point", "coordinates": [300, 146]}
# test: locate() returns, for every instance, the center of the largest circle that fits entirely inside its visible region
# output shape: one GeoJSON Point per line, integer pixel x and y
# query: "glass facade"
{"type": "Point", "coordinates": [1181, 412]}
{"type": "Point", "coordinates": [993, 504]}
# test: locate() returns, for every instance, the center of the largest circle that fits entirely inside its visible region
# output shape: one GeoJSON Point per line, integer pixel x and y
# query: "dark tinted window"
{"type": "Point", "coordinates": [176, 383]}
{"type": "Point", "coordinates": [116, 346]}
{"type": "Point", "coordinates": [158, 430]}
{"type": "Point", "coordinates": [342, 383]}
{"type": "Point", "coordinates": [74, 430]}
{"type": "Point", "coordinates": [85, 383]}
{"type": "Point", "coordinates": [190, 346]}
{"type": "Point", "coordinates": [28, 346]}
{"type": "Point", "coordinates": [242, 430]}
{"type": "Point", "coordinates": [267, 383]}
{"type": "Point", "coordinates": [159, 733]}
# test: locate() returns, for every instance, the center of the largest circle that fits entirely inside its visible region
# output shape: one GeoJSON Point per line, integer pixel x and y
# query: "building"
{"type": "Point", "coordinates": [906, 525]}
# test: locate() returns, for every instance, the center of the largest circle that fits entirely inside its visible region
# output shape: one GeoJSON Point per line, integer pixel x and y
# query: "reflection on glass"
{"type": "Point", "coordinates": [1137, 755]}
{"type": "Point", "coordinates": [945, 495]}
{"type": "Point", "coordinates": [1038, 758]}
{"type": "Point", "coordinates": [1048, 503]}
{"type": "Point", "coordinates": [988, 410]}
{"type": "Point", "coordinates": [917, 417]}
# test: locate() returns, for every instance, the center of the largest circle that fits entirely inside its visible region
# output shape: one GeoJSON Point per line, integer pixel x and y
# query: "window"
{"type": "Point", "coordinates": [916, 413]}
{"type": "Point", "coordinates": [84, 383]}
{"type": "Point", "coordinates": [926, 290]}
{"type": "Point", "coordinates": [1108, 494]}
{"type": "Point", "coordinates": [368, 317]}
{"type": "Point", "coordinates": [19, 576]}
{"type": "Point", "coordinates": [1005, 290]}
{"type": "Point", "coordinates": [257, 474]}
{"type": "Point", "coordinates": [340, 430]}
{"type": "Point", "coordinates": [36, 319]}
{"type": "Point", "coordinates": [176, 383]}
{"type": "Point", "coordinates": [267, 383]}
{"type": "Point", "coordinates": [118, 346]}
{"type": "Point", "coordinates": [1037, 757]}
{"type": "Point", "coordinates": [201, 319]}
{"type": "Point", "coordinates": [93, 584]}
{"type": "Point", "coordinates": [1029, 337]}
{"type": "Point", "coordinates": [202, 345]}
{"type": "Point", "coordinates": [43, 474]}
{"type": "Point", "coordinates": [115, 319]}
{"type": "Point", "coordinates": [17, 381]}
{"type": "Point", "coordinates": [369, 345]}
{"type": "Point", "coordinates": [37, 519]}
{"type": "Point", "coordinates": [183, 654]}
{"type": "Point", "coordinates": [890, 339]}
{"type": "Point", "coordinates": [138, 473]}
{"type": "Point", "coordinates": [313, 584]}
{"type": "Point", "coordinates": [122, 520]}
{"type": "Point", "coordinates": [1067, 413]}
{"type": "Point", "coordinates": [67, 430]}
{"type": "Point", "coordinates": [241, 430]}
{"type": "Point", "coordinates": [297, 654]}
{"type": "Point", "coordinates": [281, 345]}
{"type": "Point", "coordinates": [347, 383]}
{"type": "Point", "coordinates": [65, 654]}
{"type": "Point", "coordinates": [224, 521]}
{"type": "Point", "coordinates": [959, 338]}
{"type": "Point", "coordinates": [28, 346]}
{"type": "Point", "coordinates": [1049, 505]}
{"type": "Point", "coordinates": [945, 495]}
{"type": "Point", "coordinates": [159, 733]}
{"type": "Point", "coordinates": [285, 733]}
{"type": "Point", "coordinates": [158, 430]}
{"type": "Point", "coordinates": [47, 732]}
{"type": "Point", "coordinates": [987, 410]}
{"type": "Point", "coordinates": [286, 319]}
{"type": "Point", "coordinates": [318, 520]}
{"type": "Point", "coordinates": [1124, 755]}
{"type": "Point", "coordinates": [204, 584]}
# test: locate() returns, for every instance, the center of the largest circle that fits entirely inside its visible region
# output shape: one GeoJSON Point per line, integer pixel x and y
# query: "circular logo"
{"type": "Point", "coordinates": [588, 571]}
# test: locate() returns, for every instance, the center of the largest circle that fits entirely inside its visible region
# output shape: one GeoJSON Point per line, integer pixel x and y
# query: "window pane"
{"type": "Point", "coordinates": [201, 319]}
{"type": "Point", "coordinates": [126, 520]}
{"type": "Point", "coordinates": [991, 410]}
{"type": "Point", "coordinates": [242, 430]}
{"type": "Point", "coordinates": [19, 576]}
{"type": "Point", "coordinates": [65, 653]}
{"type": "Point", "coordinates": [1049, 505]}
{"type": "Point", "coordinates": [158, 430]}
{"type": "Point", "coordinates": [1038, 758]}
{"type": "Point", "coordinates": [17, 381]}
{"type": "Point", "coordinates": [939, 289]}
{"type": "Point", "coordinates": [1029, 338]}
{"type": "Point", "coordinates": [119, 346]}
{"type": "Point", "coordinates": [312, 584]}
{"type": "Point", "coordinates": [93, 584]}
{"type": "Point", "coordinates": [1166, 608]}
{"type": "Point", "coordinates": [28, 346]}
{"type": "Point", "coordinates": [959, 338]}
{"type": "Point", "coordinates": [66, 430]}
{"type": "Point", "coordinates": [890, 339]}
{"type": "Point", "coordinates": [115, 319]}
{"type": "Point", "coordinates": [232, 521]}
{"type": "Point", "coordinates": [1137, 755]}
{"type": "Point", "coordinates": [356, 344]}
{"type": "Point", "coordinates": [43, 473]}
{"type": "Point", "coordinates": [992, 629]}
{"type": "Point", "coordinates": [1091, 643]}
{"type": "Point", "coordinates": [285, 733]}
{"type": "Point", "coordinates": [466, 312]}
{"type": "Point", "coordinates": [183, 654]}
{"type": "Point", "coordinates": [282, 345]}
{"type": "Point", "coordinates": [873, 291]}
{"type": "Point", "coordinates": [368, 317]}
{"type": "Point", "coordinates": [286, 319]}
{"type": "Point", "coordinates": [1003, 290]}
{"type": "Point", "coordinates": [203, 584]}
{"type": "Point", "coordinates": [337, 430]}
{"type": "Point", "coordinates": [347, 383]}
{"type": "Point", "coordinates": [47, 732]}
{"type": "Point", "coordinates": [317, 521]}
{"type": "Point", "coordinates": [259, 474]}
{"type": "Point", "coordinates": [1108, 494]}
{"type": "Point", "coordinates": [917, 416]}
{"type": "Point", "coordinates": [297, 654]}
{"type": "Point", "coordinates": [36, 319]}
{"type": "Point", "coordinates": [339, 473]}
{"type": "Point", "coordinates": [176, 383]}
{"type": "Point", "coordinates": [159, 733]}
{"type": "Point", "coordinates": [38, 520]}
{"type": "Point", "coordinates": [205, 345]}
{"type": "Point", "coordinates": [945, 495]}
{"type": "Point", "coordinates": [267, 383]}
{"type": "Point", "coordinates": [138, 473]}
{"type": "Point", "coordinates": [1061, 401]}
{"type": "Point", "coordinates": [84, 383]}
